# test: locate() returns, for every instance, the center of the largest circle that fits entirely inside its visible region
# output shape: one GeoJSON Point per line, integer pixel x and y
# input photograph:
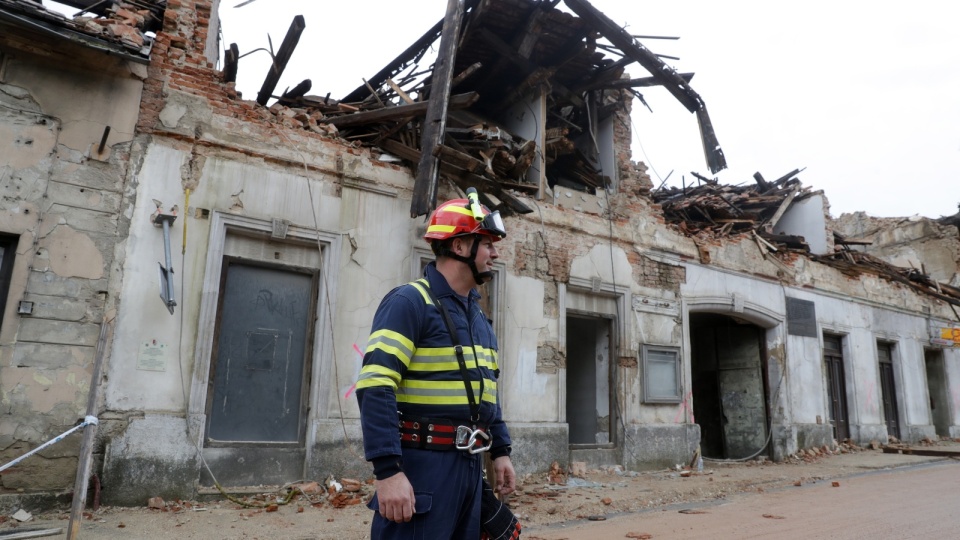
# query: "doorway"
{"type": "Point", "coordinates": [888, 389]}
{"type": "Point", "coordinates": [836, 387]}
{"type": "Point", "coordinates": [257, 406]}
{"type": "Point", "coordinates": [937, 388]}
{"type": "Point", "coordinates": [590, 381]}
{"type": "Point", "coordinates": [728, 357]}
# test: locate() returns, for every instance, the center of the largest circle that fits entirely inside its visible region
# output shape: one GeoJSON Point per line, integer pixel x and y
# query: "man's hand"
{"type": "Point", "coordinates": [506, 478]}
{"type": "Point", "coordinates": [396, 499]}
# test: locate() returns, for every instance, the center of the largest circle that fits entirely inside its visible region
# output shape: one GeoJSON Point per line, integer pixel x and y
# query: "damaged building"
{"type": "Point", "coordinates": [635, 324]}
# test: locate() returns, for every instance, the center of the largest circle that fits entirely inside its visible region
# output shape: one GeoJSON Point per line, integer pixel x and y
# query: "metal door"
{"type": "Point", "coordinates": [257, 372]}
{"type": "Point", "coordinates": [836, 387]}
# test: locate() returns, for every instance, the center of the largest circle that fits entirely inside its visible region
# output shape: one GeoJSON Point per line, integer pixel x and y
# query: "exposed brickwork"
{"type": "Point", "coordinates": [178, 63]}
{"type": "Point", "coordinates": [655, 274]}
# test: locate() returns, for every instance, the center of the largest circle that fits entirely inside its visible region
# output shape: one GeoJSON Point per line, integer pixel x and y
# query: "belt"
{"type": "Point", "coordinates": [442, 434]}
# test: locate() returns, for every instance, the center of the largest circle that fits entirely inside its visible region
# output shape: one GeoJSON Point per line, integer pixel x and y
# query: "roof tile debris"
{"type": "Point", "coordinates": [123, 26]}
{"type": "Point", "coordinates": [711, 211]}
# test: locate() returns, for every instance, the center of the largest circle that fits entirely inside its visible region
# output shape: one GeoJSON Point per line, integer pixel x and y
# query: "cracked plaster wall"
{"type": "Point", "coordinates": [66, 210]}
{"type": "Point", "coordinates": [916, 242]}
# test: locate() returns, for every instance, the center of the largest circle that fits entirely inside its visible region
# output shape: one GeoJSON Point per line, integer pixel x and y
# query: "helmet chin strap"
{"type": "Point", "coordinates": [471, 261]}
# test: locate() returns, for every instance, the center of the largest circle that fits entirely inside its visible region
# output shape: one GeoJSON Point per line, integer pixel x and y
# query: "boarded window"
{"type": "Point", "coordinates": [661, 375]}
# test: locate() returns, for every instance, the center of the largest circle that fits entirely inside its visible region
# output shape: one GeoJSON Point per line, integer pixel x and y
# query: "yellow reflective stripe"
{"type": "Point", "coordinates": [439, 400]}
{"type": "Point", "coordinates": [441, 228]}
{"type": "Point", "coordinates": [458, 210]}
{"type": "Point", "coordinates": [445, 358]}
{"type": "Point", "coordinates": [372, 371]}
{"type": "Point", "coordinates": [392, 343]}
{"type": "Point", "coordinates": [443, 392]}
{"type": "Point", "coordinates": [421, 285]}
{"type": "Point", "coordinates": [372, 382]}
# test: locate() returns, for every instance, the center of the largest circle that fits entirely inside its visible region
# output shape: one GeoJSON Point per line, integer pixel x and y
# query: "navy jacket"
{"type": "Point", "coordinates": [410, 366]}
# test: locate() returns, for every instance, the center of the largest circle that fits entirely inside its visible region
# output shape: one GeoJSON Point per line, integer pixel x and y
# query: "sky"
{"type": "Point", "coordinates": [862, 95]}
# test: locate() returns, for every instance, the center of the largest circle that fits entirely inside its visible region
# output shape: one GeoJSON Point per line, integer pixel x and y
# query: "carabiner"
{"type": "Point", "coordinates": [467, 440]}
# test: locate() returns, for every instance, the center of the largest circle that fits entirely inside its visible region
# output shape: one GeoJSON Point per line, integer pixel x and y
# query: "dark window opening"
{"type": "Point", "coordinates": [8, 247]}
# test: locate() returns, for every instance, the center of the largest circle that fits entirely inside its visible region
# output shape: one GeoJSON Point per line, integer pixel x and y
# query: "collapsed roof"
{"type": "Point", "coordinates": [119, 28]}
{"type": "Point", "coordinates": [502, 58]}
{"type": "Point", "coordinates": [710, 211]}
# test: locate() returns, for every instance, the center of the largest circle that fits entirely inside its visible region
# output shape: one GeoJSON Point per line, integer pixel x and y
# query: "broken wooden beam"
{"type": "Point", "coordinates": [672, 81]}
{"type": "Point", "coordinates": [460, 159]}
{"type": "Point", "coordinates": [920, 451]}
{"type": "Point", "coordinates": [231, 58]}
{"type": "Point", "coordinates": [425, 185]}
{"type": "Point", "coordinates": [463, 75]}
{"type": "Point", "coordinates": [762, 184]}
{"type": "Point", "coordinates": [459, 101]}
{"type": "Point", "coordinates": [280, 60]}
{"type": "Point", "coordinates": [462, 178]}
{"type": "Point", "coordinates": [634, 83]}
{"type": "Point", "coordinates": [297, 91]}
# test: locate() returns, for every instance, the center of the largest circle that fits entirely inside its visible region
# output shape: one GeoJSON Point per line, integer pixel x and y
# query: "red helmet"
{"type": "Point", "coordinates": [456, 218]}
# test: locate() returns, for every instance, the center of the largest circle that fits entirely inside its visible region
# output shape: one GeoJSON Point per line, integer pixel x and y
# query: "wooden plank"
{"type": "Point", "coordinates": [921, 451]}
{"type": "Point", "coordinates": [425, 186]}
{"type": "Point", "coordinates": [459, 176]}
{"type": "Point", "coordinates": [460, 159]}
{"type": "Point", "coordinates": [87, 443]}
{"type": "Point", "coordinates": [40, 533]}
{"type": "Point", "coordinates": [403, 95]}
{"type": "Point", "coordinates": [641, 82]}
{"type": "Point", "coordinates": [280, 60]}
{"type": "Point", "coordinates": [459, 101]}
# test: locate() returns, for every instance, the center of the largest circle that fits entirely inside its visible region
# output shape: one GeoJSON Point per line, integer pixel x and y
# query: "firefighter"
{"type": "Point", "coordinates": [429, 404]}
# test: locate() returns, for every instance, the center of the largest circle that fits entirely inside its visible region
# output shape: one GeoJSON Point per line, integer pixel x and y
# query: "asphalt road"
{"type": "Point", "coordinates": [922, 501]}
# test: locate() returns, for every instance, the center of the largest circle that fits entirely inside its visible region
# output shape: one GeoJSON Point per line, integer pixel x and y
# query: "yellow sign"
{"type": "Point", "coordinates": [950, 336]}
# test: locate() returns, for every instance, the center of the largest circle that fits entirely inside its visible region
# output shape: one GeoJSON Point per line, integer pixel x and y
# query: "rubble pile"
{"type": "Point", "coordinates": [710, 210]}
{"type": "Point", "coordinates": [854, 263]}
{"type": "Point", "coordinates": [127, 23]}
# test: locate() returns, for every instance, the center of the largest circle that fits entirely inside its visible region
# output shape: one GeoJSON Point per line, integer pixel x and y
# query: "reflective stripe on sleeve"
{"type": "Point", "coordinates": [371, 378]}
{"type": "Point", "coordinates": [392, 343]}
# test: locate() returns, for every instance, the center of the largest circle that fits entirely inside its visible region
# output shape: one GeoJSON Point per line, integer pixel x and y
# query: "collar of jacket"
{"type": "Point", "coordinates": [439, 284]}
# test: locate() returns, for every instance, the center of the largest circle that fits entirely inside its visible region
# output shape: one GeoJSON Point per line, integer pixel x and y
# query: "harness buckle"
{"type": "Point", "coordinates": [467, 439]}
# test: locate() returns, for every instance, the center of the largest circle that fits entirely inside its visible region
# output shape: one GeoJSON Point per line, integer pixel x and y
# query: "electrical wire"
{"type": "Point", "coordinates": [327, 291]}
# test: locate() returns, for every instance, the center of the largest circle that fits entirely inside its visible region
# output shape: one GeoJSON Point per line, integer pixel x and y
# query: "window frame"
{"type": "Point", "coordinates": [646, 360]}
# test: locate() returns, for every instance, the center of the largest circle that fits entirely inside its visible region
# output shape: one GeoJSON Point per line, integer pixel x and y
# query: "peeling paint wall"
{"type": "Point", "coordinates": [65, 207]}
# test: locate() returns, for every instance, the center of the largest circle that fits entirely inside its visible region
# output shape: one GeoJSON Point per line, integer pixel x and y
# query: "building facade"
{"type": "Point", "coordinates": [623, 340]}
